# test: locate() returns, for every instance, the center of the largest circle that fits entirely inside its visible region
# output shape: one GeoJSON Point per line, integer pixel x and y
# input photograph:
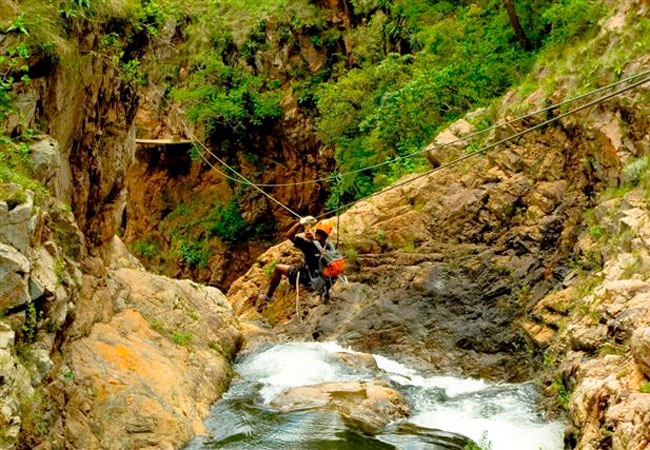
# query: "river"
{"type": "Point", "coordinates": [499, 416]}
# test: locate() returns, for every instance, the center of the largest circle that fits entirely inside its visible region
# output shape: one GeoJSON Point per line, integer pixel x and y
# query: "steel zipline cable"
{"type": "Point", "coordinates": [488, 147]}
{"type": "Point", "coordinates": [243, 180]}
{"type": "Point", "coordinates": [455, 141]}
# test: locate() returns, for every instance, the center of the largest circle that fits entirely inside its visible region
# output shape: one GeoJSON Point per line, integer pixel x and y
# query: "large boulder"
{"type": "Point", "coordinates": [17, 221]}
{"type": "Point", "coordinates": [369, 405]}
{"type": "Point", "coordinates": [14, 270]}
{"type": "Point", "coordinates": [151, 355]}
{"type": "Point", "coordinates": [641, 349]}
{"type": "Point", "coordinates": [145, 391]}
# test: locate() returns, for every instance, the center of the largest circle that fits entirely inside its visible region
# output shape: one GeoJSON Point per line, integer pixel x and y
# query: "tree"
{"type": "Point", "coordinates": [514, 21]}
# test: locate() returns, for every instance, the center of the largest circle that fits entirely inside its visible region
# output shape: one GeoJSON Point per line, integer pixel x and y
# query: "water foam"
{"type": "Point", "coordinates": [504, 413]}
{"type": "Point", "coordinates": [292, 365]}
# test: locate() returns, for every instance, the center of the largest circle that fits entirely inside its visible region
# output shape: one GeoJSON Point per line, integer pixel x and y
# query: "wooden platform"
{"type": "Point", "coordinates": [164, 141]}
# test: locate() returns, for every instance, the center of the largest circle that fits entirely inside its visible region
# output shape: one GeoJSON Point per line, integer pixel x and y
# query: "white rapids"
{"type": "Point", "coordinates": [503, 416]}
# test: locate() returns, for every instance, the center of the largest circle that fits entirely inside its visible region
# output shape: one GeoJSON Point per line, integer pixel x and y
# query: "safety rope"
{"type": "Point", "coordinates": [457, 140]}
{"type": "Point", "coordinates": [298, 297]}
{"type": "Point", "coordinates": [242, 179]}
{"type": "Point", "coordinates": [488, 147]}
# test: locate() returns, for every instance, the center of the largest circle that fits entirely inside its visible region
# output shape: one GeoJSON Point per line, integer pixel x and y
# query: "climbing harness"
{"type": "Point", "coordinates": [319, 282]}
{"type": "Point", "coordinates": [331, 266]}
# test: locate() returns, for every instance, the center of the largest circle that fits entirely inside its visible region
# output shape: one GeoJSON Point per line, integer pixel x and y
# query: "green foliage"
{"type": "Point", "coordinates": [182, 338]}
{"type": "Point", "coordinates": [351, 254]}
{"type": "Point", "coordinates": [618, 191]}
{"type": "Point", "coordinates": [610, 348]}
{"type": "Point", "coordinates": [229, 224]}
{"type": "Point", "coordinates": [635, 171]}
{"type": "Point", "coordinates": [181, 210]}
{"type": "Point", "coordinates": [33, 409]}
{"type": "Point", "coordinates": [483, 444]}
{"type": "Point", "coordinates": [59, 271]}
{"type": "Point", "coordinates": [15, 161]}
{"type": "Point", "coordinates": [30, 327]}
{"type": "Point", "coordinates": [380, 237]}
{"type": "Point", "coordinates": [458, 58]}
{"type": "Point", "coordinates": [562, 392]}
{"type": "Point", "coordinates": [18, 25]}
{"type": "Point", "coordinates": [130, 72]}
{"type": "Point", "coordinates": [645, 387]}
{"type": "Point", "coordinates": [194, 253]}
{"type": "Point", "coordinates": [569, 18]}
{"type": "Point", "coordinates": [596, 231]}
{"type": "Point", "coordinates": [145, 248]}
{"type": "Point", "coordinates": [269, 268]}
{"type": "Point", "coordinates": [158, 326]}
{"type": "Point", "coordinates": [228, 99]}
{"type": "Point", "coordinates": [524, 291]}
{"type": "Point", "coordinates": [408, 246]}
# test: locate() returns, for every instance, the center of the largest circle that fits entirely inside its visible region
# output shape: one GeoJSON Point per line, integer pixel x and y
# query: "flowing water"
{"type": "Point", "coordinates": [442, 407]}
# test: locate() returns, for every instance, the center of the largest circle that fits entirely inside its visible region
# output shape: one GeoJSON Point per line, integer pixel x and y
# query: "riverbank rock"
{"type": "Point", "coordinates": [150, 357]}
{"type": "Point", "coordinates": [362, 361]}
{"type": "Point", "coordinates": [146, 390]}
{"type": "Point", "coordinates": [369, 405]}
{"type": "Point", "coordinates": [641, 349]}
{"type": "Point", "coordinates": [601, 334]}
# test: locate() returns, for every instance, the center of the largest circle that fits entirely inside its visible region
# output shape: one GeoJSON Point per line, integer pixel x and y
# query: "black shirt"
{"type": "Point", "coordinates": [311, 251]}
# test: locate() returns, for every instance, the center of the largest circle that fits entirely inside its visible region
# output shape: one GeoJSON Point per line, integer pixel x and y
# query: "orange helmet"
{"type": "Point", "coordinates": [325, 226]}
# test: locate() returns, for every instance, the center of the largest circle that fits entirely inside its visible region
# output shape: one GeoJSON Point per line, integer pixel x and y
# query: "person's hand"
{"type": "Point", "coordinates": [308, 221]}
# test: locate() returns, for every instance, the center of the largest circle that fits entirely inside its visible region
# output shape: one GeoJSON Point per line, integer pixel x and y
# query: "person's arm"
{"type": "Point", "coordinates": [293, 231]}
{"type": "Point", "coordinates": [291, 234]}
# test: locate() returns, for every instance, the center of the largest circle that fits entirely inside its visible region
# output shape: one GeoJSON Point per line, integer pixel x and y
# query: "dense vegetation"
{"type": "Point", "coordinates": [391, 78]}
{"type": "Point", "coordinates": [48, 31]}
{"type": "Point", "coordinates": [413, 67]}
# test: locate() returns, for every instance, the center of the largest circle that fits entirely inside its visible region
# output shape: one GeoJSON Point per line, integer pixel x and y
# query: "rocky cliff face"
{"type": "Point", "coordinates": [89, 113]}
{"type": "Point", "coordinates": [172, 194]}
{"type": "Point", "coordinates": [97, 353]}
{"type": "Point", "coordinates": [493, 269]}
{"type": "Point", "coordinates": [94, 351]}
{"type": "Point", "coordinates": [594, 327]}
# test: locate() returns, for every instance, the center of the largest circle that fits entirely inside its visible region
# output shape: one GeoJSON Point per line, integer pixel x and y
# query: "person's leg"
{"type": "Point", "coordinates": [280, 269]}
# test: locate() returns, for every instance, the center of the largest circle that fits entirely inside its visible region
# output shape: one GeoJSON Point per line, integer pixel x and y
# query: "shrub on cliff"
{"type": "Point", "coordinates": [460, 57]}
{"type": "Point", "coordinates": [229, 224]}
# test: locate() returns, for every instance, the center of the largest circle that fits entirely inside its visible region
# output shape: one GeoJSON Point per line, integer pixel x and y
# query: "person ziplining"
{"type": "Point", "coordinates": [322, 264]}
